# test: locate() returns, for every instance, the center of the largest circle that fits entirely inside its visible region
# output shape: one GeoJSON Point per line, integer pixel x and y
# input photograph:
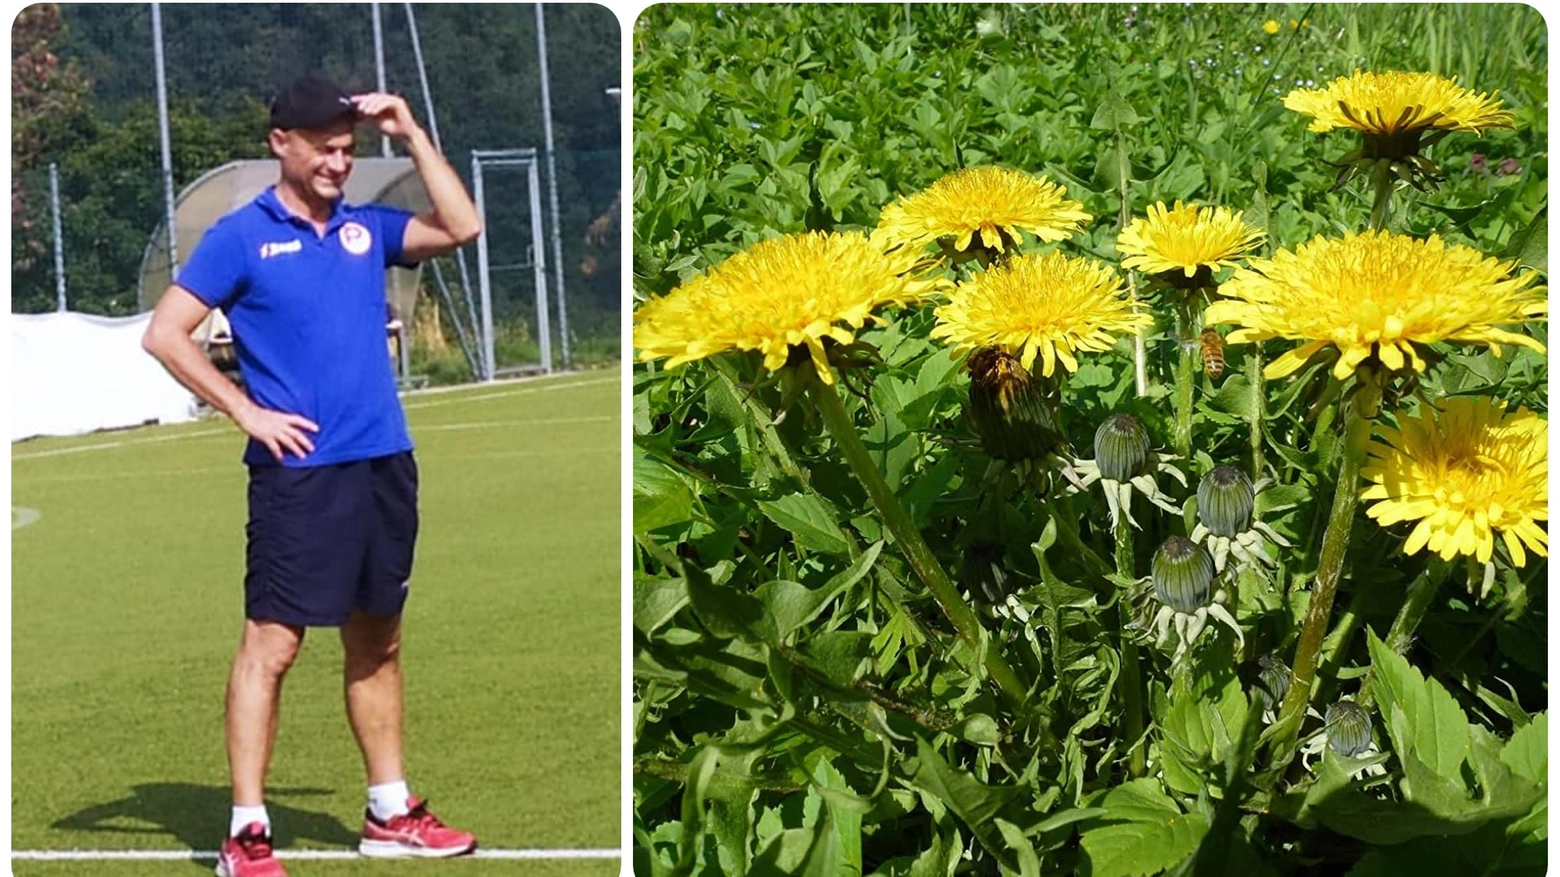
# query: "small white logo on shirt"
{"type": "Point", "coordinates": [355, 239]}
{"type": "Point", "coordinates": [276, 248]}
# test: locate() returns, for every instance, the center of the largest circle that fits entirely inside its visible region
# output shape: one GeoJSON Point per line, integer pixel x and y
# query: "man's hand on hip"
{"type": "Point", "coordinates": [279, 432]}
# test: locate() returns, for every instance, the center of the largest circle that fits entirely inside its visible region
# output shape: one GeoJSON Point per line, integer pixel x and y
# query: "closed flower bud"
{"type": "Point", "coordinates": [1011, 408]}
{"type": "Point", "coordinates": [1224, 501]}
{"type": "Point", "coordinates": [982, 573]}
{"type": "Point", "coordinates": [1183, 575]}
{"type": "Point", "coordinates": [1348, 728]}
{"type": "Point", "coordinates": [1121, 447]}
{"type": "Point", "coordinates": [1272, 681]}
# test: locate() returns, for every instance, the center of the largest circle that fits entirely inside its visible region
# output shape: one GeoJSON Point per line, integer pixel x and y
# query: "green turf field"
{"type": "Point", "coordinates": [127, 602]}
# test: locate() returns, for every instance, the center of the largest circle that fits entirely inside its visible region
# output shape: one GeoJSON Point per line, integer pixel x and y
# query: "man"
{"type": "Point", "coordinates": [332, 481]}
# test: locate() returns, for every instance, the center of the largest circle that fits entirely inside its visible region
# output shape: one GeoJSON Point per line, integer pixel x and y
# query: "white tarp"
{"type": "Point", "coordinates": [75, 373]}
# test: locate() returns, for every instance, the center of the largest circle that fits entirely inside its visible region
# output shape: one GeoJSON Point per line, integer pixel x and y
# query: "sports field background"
{"type": "Point", "coordinates": [127, 605]}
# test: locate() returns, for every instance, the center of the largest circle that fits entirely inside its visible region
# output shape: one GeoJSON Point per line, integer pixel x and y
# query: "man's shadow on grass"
{"type": "Point", "coordinates": [197, 816]}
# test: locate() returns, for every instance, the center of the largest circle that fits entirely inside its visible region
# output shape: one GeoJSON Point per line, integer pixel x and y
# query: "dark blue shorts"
{"type": "Point", "coordinates": [326, 540]}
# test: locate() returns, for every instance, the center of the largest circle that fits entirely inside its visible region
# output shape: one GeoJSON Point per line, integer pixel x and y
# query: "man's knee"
{"type": "Point", "coordinates": [370, 642]}
{"type": "Point", "coordinates": [269, 647]}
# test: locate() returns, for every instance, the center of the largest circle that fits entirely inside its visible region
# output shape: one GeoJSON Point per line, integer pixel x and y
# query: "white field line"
{"type": "Point", "coordinates": [518, 391]}
{"type": "Point", "coordinates": [495, 424]}
{"type": "Point", "coordinates": [237, 470]}
{"type": "Point", "coordinates": [187, 855]}
{"type": "Point", "coordinates": [504, 394]}
{"type": "Point", "coordinates": [101, 446]}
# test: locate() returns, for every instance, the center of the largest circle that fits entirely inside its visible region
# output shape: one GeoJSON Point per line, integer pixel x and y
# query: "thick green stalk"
{"type": "Point", "coordinates": [1130, 684]}
{"type": "Point", "coordinates": [1258, 407]}
{"type": "Point", "coordinates": [1381, 208]}
{"type": "Point", "coordinates": [838, 422]}
{"type": "Point", "coordinates": [1420, 595]}
{"type": "Point", "coordinates": [1335, 541]}
{"type": "Point", "coordinates": [1186, 331]}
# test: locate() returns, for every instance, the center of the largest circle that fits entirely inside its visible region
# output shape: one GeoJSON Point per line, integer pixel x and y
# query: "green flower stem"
{"type": "Point", "coordinates": [1255, 378]}
{"type": "Point", "coordinates": [1130, 683]}
{"type": "Point", "coordinates": [1420, 595]}
{"type": "Point", "coordinates": [965, 621]}
{"type": "Point", "coordinates": [1335, 541]}
{"type": "Point", "coordinates": [1067, 531]}
{"type": "Point", "coordinates": [1381, 208]}
{"type": "Point", "coordinates": [1185, 374]}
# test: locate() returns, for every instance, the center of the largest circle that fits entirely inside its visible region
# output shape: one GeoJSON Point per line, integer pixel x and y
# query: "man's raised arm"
{"type": "Point", "coordinates": [453, 220]}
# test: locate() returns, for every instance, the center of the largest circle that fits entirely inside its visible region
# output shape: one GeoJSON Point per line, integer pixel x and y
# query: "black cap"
{"type": "Point", "coordinates": [310, 103]}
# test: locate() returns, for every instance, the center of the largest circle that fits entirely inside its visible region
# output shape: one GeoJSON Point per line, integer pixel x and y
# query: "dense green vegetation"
{"type": "Point", "coordinates": [805, 700]}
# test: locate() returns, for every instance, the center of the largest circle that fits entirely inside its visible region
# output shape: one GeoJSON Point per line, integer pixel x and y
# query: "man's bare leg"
{"type": "Point", "coordinates": [265, 653]}
{"type": "Point", "coordinates": [372, 679]}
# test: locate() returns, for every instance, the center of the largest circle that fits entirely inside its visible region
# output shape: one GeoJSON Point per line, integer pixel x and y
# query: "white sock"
{"type": "Point", "coordinates": [388, 799]}
{"type": "Point", "coordinates": [243, 816]}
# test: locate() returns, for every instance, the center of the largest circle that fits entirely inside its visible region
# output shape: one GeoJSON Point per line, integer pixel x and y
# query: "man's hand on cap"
{"type": "Point", "coordinates": [388, 111]}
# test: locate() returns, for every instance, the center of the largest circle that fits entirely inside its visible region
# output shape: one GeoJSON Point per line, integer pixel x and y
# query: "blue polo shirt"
{"type": "Point", "coordinates": [308, 317]}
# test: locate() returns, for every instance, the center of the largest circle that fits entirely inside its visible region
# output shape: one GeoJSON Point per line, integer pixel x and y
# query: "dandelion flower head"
{"type": "Point", "coordinates": [1467, 471]}
{"type": "Point", "coordinates": [1396, 103]}
{"type": "Point", "coordinates": [793, 290]}
{"type": "Point", "coordinates": [1048, 305]}
{"type": "Point", "coordinates": [987, 201]}
{"type": "Point", "coordinates": [1184, 238]}
{"type": "Point", "coordinates": [1378, 294]}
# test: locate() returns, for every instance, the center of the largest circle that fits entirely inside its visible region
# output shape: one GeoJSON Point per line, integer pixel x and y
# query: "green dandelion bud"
{"type": "Point", "coordinates": [1183, 575]}
{"type": "Point", "coordinates": [981, 571]}
{"type": "Point", "coordinates": [1348, 728]}
{"type": "Point", "coordinates": [1224, 501]}
{"type": "Point", "coordinates": [1011, 408]}
{"type": "Point", "coordinates": [1121, 447]}
{"type": "Point", "coordinates": [1272, 681]}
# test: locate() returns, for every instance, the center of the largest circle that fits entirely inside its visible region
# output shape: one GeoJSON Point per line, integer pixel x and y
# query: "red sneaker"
{"type": "Point", "coordinates": [249, 855]}
{"type": "Point", "coordinates": [417, 833]}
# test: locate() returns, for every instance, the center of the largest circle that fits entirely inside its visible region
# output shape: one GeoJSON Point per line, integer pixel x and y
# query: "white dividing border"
{"type": "Point", "coordinates": [197, 855]}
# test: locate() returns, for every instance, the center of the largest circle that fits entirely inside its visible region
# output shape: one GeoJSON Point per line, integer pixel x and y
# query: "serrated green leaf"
{"type": "Point", "coordinates": [1530, 246]}
{"type": "Point", "coordinates": [656, 601]}
{"type": "Point", "coordinates": [1435, 730]}
{"type": "Point", "coordinates": [1113, 112]}
{"type": "Point", "coordinates": [723, 609]}
{"type": "Point", "coordinates": [668, 508]}
{"type": "Point", "coordinates": [789, 605]}
{"type": "Point", "coordinates": [840, 655]}
{"type": "Point", "coordinates": [972, 800]}
{"type": "Point", "coordinates": [1023, 850]}
{"type": "Point", "coordinates": [808, 519]}
{"type": "Point", "coordinates": [1527, 752]}
{"type": "Point", "coordinates": [1148, 834]}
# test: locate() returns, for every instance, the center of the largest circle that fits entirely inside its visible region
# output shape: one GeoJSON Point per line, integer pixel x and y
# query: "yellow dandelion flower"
{"type": "Point", "coordinates": [1270, 26]}
{"type": "Point", "coordinates": [1466, 471]}
{"type": "Point", "coordinates": [1051, 305]}
{"type": "Point", "coordinates": [1184, 238]}
{"type": "Point", "coordinates": [990, 201]}
{"type": "Point", "coordinates": [1388, 104]}
{"type": "Point", "coordinates": [1377, 294]}
{"type": "Point", "coordinates": [793, 290]}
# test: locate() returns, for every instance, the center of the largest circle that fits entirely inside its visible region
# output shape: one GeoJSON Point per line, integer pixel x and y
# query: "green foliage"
{"type": "Point", "coordinates": [781, 625]}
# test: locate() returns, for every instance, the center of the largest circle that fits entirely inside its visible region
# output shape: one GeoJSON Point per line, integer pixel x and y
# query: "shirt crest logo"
{"type": "Point", "coordinates": [355, 239]}
{"type": "Point", "coordinates": [277, 248]}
